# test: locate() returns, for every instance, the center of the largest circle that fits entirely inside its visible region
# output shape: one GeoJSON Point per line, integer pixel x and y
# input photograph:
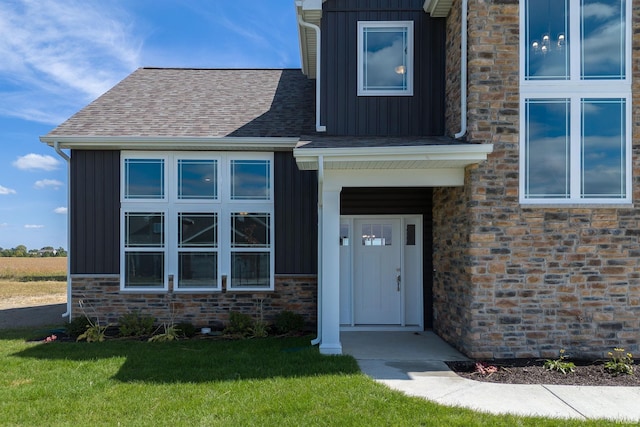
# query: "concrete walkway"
{"type": "Point", "coordinates": [414, 364]}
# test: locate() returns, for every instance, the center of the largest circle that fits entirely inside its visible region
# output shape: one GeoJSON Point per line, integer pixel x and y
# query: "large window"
{"type": "Point", "coordinates": [575, 92]}
{"type": "Point", "coordinates": [190, 220]}
{"type": "Point", "coordinates": [385, 58]}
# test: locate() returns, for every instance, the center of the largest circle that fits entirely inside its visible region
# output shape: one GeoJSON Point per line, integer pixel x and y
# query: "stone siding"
{"type": "Point", "coordinates": [102, 298]}
{"type": "Point", "coordinates": [527, 281]}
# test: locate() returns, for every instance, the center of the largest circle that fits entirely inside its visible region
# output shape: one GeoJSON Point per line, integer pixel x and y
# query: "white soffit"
{"type": "Point", "coordinates": [309, 11]}
{"type": "Point", "coordinates": [405, 157]}
{"type": "Point", "coordinates": [438, 8]}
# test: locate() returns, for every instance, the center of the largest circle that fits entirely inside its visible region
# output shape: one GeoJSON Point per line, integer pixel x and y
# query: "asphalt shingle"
{"type": "Point", "coordinates": [172, 102]}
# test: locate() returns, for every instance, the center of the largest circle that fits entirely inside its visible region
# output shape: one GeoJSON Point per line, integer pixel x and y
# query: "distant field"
{"type": "Point", "coordinates": [27, 282]}
{"type": "Point", "coordinates": [28, 269]}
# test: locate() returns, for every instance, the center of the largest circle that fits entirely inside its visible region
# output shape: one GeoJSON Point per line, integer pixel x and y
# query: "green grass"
{"type": "Point", "coordinates": [279, 382]}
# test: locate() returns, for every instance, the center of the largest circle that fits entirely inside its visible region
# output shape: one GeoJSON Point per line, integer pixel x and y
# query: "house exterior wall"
{"type": "Point", "coordinates": [345, 113]}
{"type": "Point", "coordinates": [526, 281]}
{"type": "Point", "coordinates": [95, 212]}
{"type": "Point", "coordinates": [95, 249]}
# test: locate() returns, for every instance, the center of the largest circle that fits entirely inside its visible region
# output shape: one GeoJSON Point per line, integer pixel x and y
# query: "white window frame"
{"type": "Point", "coordinates": [409, 71]}
{"type": "Point", "coordinates": [576, 89]}
{"type": "Point", "coordinates": [223, 207]}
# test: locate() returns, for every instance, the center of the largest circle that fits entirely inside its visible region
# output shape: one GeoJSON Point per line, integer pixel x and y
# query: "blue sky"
{"type": "Point", "coordinates": [59, 55]}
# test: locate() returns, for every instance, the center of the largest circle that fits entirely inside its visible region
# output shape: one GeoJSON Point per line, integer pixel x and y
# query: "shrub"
{"type": "Point", "coordinates": [287, 322]}
{"type": "Point", "coordinates": [171, 333]}
{"type": "Point", "coordinates": [619, 362]}
{"type": "Point", "coordinates": [77, 326]}
{"type": "Point", "coordinates": [560, 364]}
{"type": "Point", "coordinates": [94, 333]}
{"type": "Point", "coordinates": [186, 329]}
{"type": "Point", "coordinates": [239, 324]}
{"type": "Point", "coordinates": [135, 324]}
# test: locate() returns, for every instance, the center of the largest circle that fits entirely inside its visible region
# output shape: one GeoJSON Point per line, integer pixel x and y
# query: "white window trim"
{"type": "Point", "coordinates": [410, 65]}
{"type": "Point", "coordinates": [223, 206]}
{"type": "Point", "coordinates": [576, 89]}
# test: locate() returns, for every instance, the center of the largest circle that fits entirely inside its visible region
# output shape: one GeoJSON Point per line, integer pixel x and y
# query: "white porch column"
{"type": "Point", "coordinates": [330, 343]}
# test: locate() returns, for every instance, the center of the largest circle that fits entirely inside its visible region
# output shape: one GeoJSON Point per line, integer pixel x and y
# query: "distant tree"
{"type": "Point", "coordinates": [61, 252]}
{"type": "Point", "coordinates": [20, 251]}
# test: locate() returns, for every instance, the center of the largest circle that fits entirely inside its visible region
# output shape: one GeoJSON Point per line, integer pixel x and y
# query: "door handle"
{"type": "Point", "coordinates": [398, 279]}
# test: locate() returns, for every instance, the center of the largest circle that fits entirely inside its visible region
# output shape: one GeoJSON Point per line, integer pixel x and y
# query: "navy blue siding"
{"type": "Point", "coordinates": [345, 113]}
{"type": "Point", "coordinates": [296, 217]}
{"type": "Point", "coordinates": [95, 212]}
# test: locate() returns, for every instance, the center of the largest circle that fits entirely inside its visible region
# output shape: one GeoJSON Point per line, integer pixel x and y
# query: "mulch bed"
{"type": "Point", "coordinates": [531, 371]}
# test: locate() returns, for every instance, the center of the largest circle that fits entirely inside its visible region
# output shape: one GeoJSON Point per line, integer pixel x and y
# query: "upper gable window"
{"type": "Point", "coordinates": [560, 46]}
{"type": "Point", "coordinates": [385, 58]}
{"type": "Point", "coordinates": [575, 96]}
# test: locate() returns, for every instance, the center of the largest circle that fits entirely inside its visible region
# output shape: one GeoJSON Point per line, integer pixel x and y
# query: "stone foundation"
{"type": "Point", "coordinates": [102, 298]}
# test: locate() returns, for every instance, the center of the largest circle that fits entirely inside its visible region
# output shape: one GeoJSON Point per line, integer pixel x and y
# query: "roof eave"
{"type": "Point", "coordinates": [410, 157]}
{"type": "Point", "coordinates": [308, 11]}
{"type": "Point", "coordinates": [171, 143]}
{"type": "Point", "coordinates": [438, 8]}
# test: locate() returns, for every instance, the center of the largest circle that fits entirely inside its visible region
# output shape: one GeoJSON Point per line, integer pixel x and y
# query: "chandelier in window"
{"type": "Point", "coordinates": [546, 44]}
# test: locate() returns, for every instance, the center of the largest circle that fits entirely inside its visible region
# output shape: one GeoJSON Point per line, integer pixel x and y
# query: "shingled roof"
{"type": "Point", "coordinates": [211, 103]}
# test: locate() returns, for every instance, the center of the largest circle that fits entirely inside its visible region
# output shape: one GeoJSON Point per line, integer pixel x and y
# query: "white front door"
{"type": "Point", "coordinates": [377, 275]}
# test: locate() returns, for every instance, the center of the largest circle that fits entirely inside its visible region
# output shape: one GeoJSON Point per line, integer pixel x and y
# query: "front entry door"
{"type": "Point", "coordinates": [377, 272]}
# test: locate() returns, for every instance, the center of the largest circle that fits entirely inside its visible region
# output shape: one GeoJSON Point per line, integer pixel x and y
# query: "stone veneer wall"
{"type": "Point", "coordinates": [102, 297]}
{"type": "Point", "coordinates": [517, 281]}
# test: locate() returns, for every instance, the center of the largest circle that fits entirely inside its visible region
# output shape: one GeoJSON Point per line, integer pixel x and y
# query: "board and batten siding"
{"type": "Point", "coordinates": [296, 217]}
{"type": "Point", "coordinates": [399, 201]}
{"type": "Point", "coordinates": [345, 113]}
{"type": "Point", "coordinates": [95, 214]}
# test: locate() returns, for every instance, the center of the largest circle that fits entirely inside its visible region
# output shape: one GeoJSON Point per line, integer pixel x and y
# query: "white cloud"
{"type": "Point", "coordinates": [5, 191]}
{"type": "Point", "coordinates": [61, 210]}
{"type": "Point", "coordinates": [36, 161]}
{"type": "Point", "coordinates": [44, 183]}
{"type": "Point", "coordinates": [61, 54]}
{"type": "Point", "coordinates": [33, 226]}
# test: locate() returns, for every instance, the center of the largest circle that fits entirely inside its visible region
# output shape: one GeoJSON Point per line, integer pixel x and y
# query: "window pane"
{"type": "Point", "coordinates": [250, 230]}
{"type": "Point", "coordinates": [198, 270]}
{"type": "Point", "coordinates": [376, 235]}
{"type": "Point", "coordinates": [144, 269]}
{"type": "Point", "coordinates": [197, 179]}
{"type": "Point", "coordinates": [603, 39]}
{"type": "Point", "coordinates": [547, 149]}
{"type": "Point", "coordinates": [344, 234]}
{"type": "Point", "coordinates": [197, 230]}
{"type": "Point", "coordinates": [385, 61]}
{"type": "Point", "coordinates": [144, 229]}
{"type": "Point", "coordinates": [603, 148]}
{"type": "Point", "coordinates": [250, 270]}
{"type": "Point", "coordinates": [547, 38]}
{"type": "Point", "coordinates": [144, 178]}
{"type": "Point", "coordinates": [250, 180]}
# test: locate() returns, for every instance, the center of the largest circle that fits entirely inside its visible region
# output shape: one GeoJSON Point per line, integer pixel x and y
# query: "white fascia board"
{"type": "Point", "coordinates": [170, 143]}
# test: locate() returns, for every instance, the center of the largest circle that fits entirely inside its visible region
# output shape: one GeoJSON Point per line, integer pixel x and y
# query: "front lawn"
{"type": "Point", "coordinates": [279, 382]}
